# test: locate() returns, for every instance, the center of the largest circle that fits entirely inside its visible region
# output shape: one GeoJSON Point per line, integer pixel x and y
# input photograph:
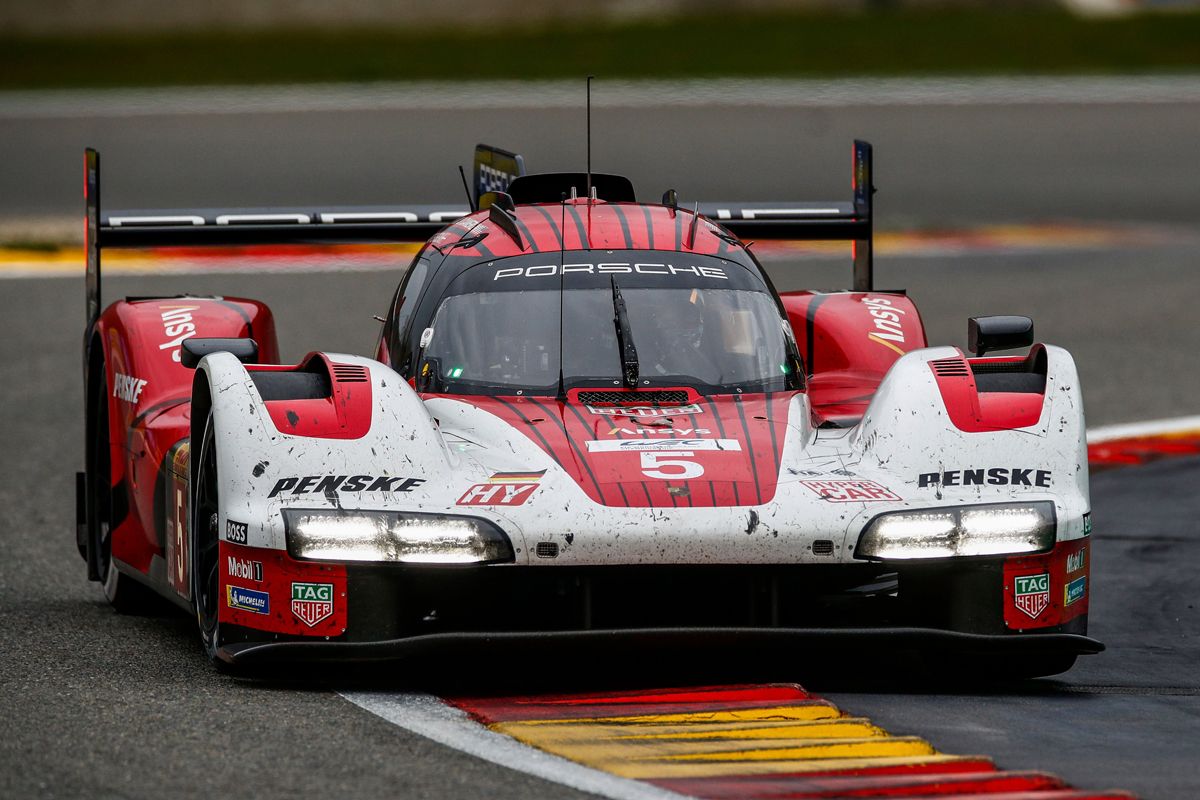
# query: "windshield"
{"type": "Point", "coordinates": [711, 329]}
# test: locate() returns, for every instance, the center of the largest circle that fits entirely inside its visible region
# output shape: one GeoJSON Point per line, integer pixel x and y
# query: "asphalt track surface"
{"type": "Point", "coordinates": [102, 705]}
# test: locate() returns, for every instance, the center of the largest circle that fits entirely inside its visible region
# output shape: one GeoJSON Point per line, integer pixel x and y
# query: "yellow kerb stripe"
{"type": "Point", "coordinates": [844, 728]}
{"type": "Point", "coordinates": [651, 770]}
{"type": "Point", "coordinates": [815, 709]}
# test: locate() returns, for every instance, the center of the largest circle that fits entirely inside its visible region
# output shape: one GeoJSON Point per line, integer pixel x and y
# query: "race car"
{"type": "Point", "coordinates": [587, 419]}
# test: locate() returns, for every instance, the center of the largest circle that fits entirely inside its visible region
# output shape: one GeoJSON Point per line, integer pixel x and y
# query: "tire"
{"type": "Point", "coordinates": [205, 544]}
{"type": "Point", "coordinates": [123, 593]}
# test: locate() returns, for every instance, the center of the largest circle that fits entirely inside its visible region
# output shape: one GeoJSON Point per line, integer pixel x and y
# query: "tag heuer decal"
{"type": "Point", "coordinates": [1031, 593]}
{"type": "Point", "coordinates": [312, 602]}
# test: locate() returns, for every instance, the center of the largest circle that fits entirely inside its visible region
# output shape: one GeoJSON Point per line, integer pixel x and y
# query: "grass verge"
{"type": "Point", "coordinates": [893, 42]}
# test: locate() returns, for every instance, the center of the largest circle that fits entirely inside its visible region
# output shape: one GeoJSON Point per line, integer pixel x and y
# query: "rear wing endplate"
{"type": "Point", "coordinates": [853, 221]}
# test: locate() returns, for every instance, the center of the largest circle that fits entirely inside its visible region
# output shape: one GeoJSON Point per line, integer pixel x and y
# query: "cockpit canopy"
{"type": "Point", "coordinates": [693, 320]}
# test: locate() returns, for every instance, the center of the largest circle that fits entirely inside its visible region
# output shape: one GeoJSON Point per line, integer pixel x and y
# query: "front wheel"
{"type": "Point", "coordinates": [205, 561]}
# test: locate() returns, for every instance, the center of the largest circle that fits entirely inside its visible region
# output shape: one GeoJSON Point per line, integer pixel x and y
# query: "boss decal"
{"type": "Point", "coordinates": [327, 484]}
{"type": "Point", "coordinates": [251, 600]}
{"type": "Point", "coordinates": [613, 268]}
{"type": "Point", "coordinates": [245, 569]}
{"type": "Point", "coordinates": [235, 532]}
{"type": "Point", "coordinates": [1031, 593]}
{"type": "Point", "coordinates": [995, 476]}
{"type": "Point", "coordinates": [127, 387]}
{"type": "Point", "coordinates": [850, 491]}
{"type": "Point", "coordinates": [312, 602]}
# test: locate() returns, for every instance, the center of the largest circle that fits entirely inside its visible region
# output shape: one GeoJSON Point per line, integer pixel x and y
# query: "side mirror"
{"type": "Point", "coordinates": [985, 334]}
{"type": "Point", "coordinates": [192, 350]}
{"type": "Point", "coordinates": [429, 375]}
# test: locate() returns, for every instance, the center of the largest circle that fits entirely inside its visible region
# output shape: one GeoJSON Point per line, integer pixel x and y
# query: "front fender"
{"type": "Point", "coordinates": [400, 459]}
{"type": "Point", "coordinates": [909, 431]}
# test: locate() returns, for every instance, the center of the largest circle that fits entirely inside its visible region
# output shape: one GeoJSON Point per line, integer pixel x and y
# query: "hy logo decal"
{"type": "Point", "coordinates": [502, 489]}
{"type": "Point", "coordinates": [1031, 593]}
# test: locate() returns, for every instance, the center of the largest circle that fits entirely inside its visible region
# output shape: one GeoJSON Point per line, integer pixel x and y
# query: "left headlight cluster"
{"type": "Point", "coordinates": [983, 530]}
{"type": "Point", "coordinates": [397, 537]}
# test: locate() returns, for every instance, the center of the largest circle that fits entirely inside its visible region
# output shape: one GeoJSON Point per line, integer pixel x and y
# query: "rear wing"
{"type": "Point", "coordinates": [495, 169]}
{"type": "Point", "coordinates": [246, 226]}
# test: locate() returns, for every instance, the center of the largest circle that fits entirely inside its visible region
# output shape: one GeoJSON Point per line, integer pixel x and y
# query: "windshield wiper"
{"type": "Point", "coordinates": [629, 358]}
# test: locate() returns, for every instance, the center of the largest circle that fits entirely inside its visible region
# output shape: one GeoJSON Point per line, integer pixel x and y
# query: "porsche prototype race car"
{"type": "Point", "coordinates": [587, 417]}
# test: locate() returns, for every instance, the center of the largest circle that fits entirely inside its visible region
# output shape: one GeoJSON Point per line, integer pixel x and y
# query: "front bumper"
{"type": "Point", "coordinates": [608, 644]}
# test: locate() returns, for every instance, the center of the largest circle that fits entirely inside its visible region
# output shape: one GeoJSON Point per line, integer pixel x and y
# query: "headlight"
{"type": "Point", "coordinates": [984, 530]}
{"type": "Point", "coordinates": [384, 536]}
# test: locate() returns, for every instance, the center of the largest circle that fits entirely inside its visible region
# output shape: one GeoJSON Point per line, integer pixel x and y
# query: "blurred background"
{"type": "Point", "coordinates": [1032, 157]}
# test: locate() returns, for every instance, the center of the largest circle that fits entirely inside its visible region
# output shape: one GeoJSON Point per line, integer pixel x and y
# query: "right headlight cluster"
{"type": "Point", "coordinates": [983, 530]}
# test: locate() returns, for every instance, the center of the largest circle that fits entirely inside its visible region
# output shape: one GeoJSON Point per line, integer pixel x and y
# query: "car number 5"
{"type": "Point", "coordinates": [670, 465]}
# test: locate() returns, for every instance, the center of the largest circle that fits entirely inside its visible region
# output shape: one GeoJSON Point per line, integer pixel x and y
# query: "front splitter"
{"type": "Point", "coordinates": [648, 641]}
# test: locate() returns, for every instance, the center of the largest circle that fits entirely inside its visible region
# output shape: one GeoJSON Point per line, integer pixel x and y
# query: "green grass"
{"type": "Point", "coordinates": [815, 45]}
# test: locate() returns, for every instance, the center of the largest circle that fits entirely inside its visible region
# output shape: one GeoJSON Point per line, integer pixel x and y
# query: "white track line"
{"type": "Point", "coordinates": [1157, 427]}
{"type": "Point", "coordinates": [428, 716]}
{"type": "Point", "coordinates": [501, 95]}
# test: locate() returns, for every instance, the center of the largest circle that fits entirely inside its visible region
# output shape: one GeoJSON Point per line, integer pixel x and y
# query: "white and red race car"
{"type": "Point", "coordinates": [586, 418]}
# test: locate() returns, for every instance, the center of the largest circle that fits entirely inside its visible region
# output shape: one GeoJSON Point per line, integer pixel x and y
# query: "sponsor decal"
{"type": "Point", "coordinates": [178, 326]}
{"type": "Point", "coordinates": [1075, 561]}
{"type": "Point", "coordinates": [1031, 593]}
{"type": "Point", "coordinates": [312, 602]}
{"type": "Point", "coordinates": [645, 411]}
{"type": "Point", "coordinates": [176, 541]}
{"type": "Point", "coordinates": [659, 432]}
{"type": "Point", "coordinates": [994, 476]}
{"type": "Point", "coordinates": [497, 494]}
{"type": "Point", "coordinates": [516, 477]}
{"type": "Point", "coordinates": [886, 317]}
{"type": "Point", "coordinates": [251, 600]}
{"type": "Point", "coordinates": [492, 179]}
{"type": "Point", "coordinates": [245, 569]}
{"type": "Point", "coordinates": [235, 532]}
{"type": "Point", "coordinates": [127, 387]}
{"type": "Point", "coordinates": [1075, 590]}
{"type": "Point", "coordinates": [502, 489]}
{"type": "Point", "coordinates": [635, 445]}
{"type": "Point", "coordinates": [328, 484]}
{"type": "Point", "coordinates": [850, 491]}
{"type": "Point", "coordinates": [609, 268]}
